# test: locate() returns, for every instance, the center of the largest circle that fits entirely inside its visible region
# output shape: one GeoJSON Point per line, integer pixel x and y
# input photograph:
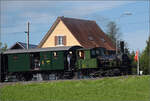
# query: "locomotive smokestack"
{"type": "Point", "coordinates": [122, 46]}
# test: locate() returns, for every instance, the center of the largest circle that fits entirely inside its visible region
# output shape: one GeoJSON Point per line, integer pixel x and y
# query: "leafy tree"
{"type": "Point", "coordinates": [113, 31]}
{"type": "Point", "coordinates": [3, 48]}
{"type": "Point", "coordinates": [145, 59]}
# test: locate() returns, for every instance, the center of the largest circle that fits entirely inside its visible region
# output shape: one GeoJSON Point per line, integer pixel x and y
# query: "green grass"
{"type": "Point", "coordinates": [131, 88]}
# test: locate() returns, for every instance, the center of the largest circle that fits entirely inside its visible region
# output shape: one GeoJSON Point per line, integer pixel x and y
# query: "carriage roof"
{"type": "Point", "coordinates": [61, 48]}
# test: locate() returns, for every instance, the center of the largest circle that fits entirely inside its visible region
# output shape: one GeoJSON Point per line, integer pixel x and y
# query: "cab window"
{"type": "Point", "coordinates": [81, 54]}
{"type": "Point", "coordinates": [93, 53]}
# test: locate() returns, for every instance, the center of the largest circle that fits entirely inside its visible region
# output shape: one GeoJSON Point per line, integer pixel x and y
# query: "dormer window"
{"type": "Point", "coordinates": [90, 38]}
{"type": "Point", "coordinates": [102, 39]}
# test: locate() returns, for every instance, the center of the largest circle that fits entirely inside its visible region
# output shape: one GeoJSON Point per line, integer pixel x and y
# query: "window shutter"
{"type": "Point", "coordinates": [64, 40]}
{"type": "Point", "coordinates": [56, 39]}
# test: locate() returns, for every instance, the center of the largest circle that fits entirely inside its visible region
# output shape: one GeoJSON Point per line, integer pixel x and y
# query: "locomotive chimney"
{"type": "Point", "coordinates": [122, 46]}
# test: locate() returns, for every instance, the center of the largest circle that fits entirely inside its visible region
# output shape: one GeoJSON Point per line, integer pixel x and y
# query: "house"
{"type": "Point", "coordinates": [20, 45]}
{"type": "Point", "coordinates": [71, 31]}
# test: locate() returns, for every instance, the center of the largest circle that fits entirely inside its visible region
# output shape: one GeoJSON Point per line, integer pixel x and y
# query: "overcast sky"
{"type": "Point", "coordinates": [42, 14]}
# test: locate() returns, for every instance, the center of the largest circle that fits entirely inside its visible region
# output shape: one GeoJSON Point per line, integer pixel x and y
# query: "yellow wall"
{"type": "Point", "coordinates": [60, 30]}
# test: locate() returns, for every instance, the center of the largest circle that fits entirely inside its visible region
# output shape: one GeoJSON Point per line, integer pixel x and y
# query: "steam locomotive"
{"type": "Point", "coordinates": [65, 62]}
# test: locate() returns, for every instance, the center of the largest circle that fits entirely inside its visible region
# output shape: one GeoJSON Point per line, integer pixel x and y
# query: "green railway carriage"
{"type": "Point", "coordinates": [1, 66]}
{"type": "Point", "coordinates": [52, 60]}
{"type": "Point", "coordinates": [18, 62]}
{"type": "Point", "coordinates": [26, 63]}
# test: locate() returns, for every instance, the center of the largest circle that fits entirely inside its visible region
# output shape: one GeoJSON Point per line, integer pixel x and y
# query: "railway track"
{"type": "Point", "coordinates": [46, 81]}
{"type": "Point", "coordinates": [43, 81]}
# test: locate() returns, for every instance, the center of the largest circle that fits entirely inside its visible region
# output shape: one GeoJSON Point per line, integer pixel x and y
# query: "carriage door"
{"type": "Point", "coordinates": [58, 60]}
{"type": "Point", "coordinates": [71, 59]}
{"type": "Point", "coordinates": [35, 61]}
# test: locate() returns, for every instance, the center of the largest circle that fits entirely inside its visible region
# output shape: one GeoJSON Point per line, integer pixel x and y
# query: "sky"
{"type": "Point", "coordinates": [15, 14]}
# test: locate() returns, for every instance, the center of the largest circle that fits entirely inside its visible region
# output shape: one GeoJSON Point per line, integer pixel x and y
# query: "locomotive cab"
{"type": "Point", "coordinates": [97, 52]}
{"type": "Point", "coordinates": [71, 58]}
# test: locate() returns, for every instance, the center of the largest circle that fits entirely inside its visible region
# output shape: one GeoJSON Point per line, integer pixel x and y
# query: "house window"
{"type": "Point", "coordinates": [90, 38]}
{"type": "Point", "coordinates": [60, 40]}
{"type": "Point", "coordinates": [102, 39]}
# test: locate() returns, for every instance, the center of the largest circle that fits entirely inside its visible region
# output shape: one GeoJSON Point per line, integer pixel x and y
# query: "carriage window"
{"type": "Point", "coordinates": [81, 54]}
{"type": "Point", "coordinates": [15, 57]}
{"type": "Point", "coordinates": [93, 53]}
{"type": "Point", "coordinates": [45, 56]}
{"type": "Point", "coordinates": [54, 54]}
{"type": "Point", "coordinates": [97, 52]}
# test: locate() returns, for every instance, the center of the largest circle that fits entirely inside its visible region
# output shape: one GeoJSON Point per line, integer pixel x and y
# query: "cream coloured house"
{"type": "Point", "coordinates": [72, 31]}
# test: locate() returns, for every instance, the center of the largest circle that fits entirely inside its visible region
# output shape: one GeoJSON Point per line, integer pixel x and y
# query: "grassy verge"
{"type": "Point", "coordinates": [131, 88]}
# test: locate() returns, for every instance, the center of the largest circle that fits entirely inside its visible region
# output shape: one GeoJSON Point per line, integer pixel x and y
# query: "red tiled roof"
{"type": "Point", "coordinates": [87, 32]}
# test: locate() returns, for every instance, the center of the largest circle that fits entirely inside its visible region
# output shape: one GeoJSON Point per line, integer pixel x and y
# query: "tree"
{"type": "Point", "coordinates": [145, 58]}
{"type": "Point", "coordinates": [3, 48]}
{"type": "Point", "coordinates": [113, 31]}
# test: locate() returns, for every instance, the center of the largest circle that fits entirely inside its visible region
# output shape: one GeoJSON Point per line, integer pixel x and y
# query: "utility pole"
{"type": "Point", "coordinates": [27, 36]}
{"type": "Point", "coordinates": [116, 46]}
